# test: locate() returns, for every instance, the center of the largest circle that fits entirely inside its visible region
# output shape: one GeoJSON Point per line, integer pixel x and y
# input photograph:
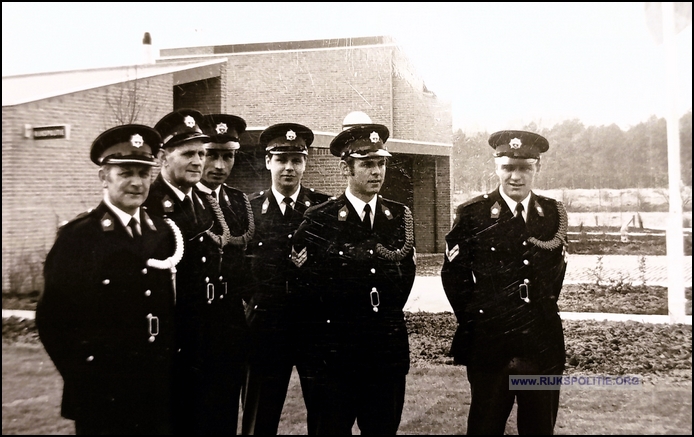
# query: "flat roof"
{"type": "Point", "coordinates": [26, 88]}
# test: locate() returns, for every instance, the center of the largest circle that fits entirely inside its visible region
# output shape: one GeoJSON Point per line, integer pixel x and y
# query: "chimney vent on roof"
{"type": "Point", "coordinates": [147, 57]}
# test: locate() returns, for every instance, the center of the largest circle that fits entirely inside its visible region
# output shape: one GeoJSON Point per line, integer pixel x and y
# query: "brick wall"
{"type": "Point", "coordinates": [48, 181]}
{"type": "Point", "coordinates": [203, 95]}
{"type": "Point", "coordinates": [312, 87]}
{"type": "Point", "coordinates": [315, 88]}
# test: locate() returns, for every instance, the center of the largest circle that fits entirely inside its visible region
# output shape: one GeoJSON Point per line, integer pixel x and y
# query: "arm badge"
{"type": "Point", "coordinates": [299, 258]}
{"type": "Point", "coordinates": [452, 253]}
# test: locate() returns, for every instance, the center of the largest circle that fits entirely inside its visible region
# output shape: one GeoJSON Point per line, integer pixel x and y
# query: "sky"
{"type": "Point", "coordinates": [500, 65]}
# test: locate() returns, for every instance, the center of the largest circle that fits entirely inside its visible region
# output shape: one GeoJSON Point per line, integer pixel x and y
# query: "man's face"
{"type": "Point", "coordinates": [182, 165]}
{"type": "Point", "coordinates": [127, 185]}
{"type": "Point", "coordinates": [516, 176]}
{"type": "Point", "coordinates": [217, 166]}
{"type": "Point", "coordinates": [365, 177]}
{"type": "Point", "coordinates": [286, 169]}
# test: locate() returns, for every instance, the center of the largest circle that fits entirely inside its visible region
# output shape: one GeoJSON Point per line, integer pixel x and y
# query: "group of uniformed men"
{"type": "Point", "coordinates": [180, 299]}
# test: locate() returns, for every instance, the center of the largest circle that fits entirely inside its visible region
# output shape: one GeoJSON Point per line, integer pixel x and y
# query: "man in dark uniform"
{"type": "Point", "coordinates": [356, 261]}
{"type": "Point", "coordinates": [106, 316]}
{"type": "Point", "coordinates": [204, 336]}
{"type": "Point", "coordinates": [278, 211]}
{"type": "Point", "coordinates": [503, 271]}
{"type": "Point", "coordinates": [235, 219]}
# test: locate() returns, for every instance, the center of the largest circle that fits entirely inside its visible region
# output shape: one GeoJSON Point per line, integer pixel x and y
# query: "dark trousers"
{"type": "Point", "coordinates": [374, 401]}
{"type": "Point", "coordinates": [264, 395]}
{"type": "Point", "coordinates": [492, 402]}
{"type": "Point", "coordinates": [208, 399]}
{"type": "Point", "coordinates": [92, 427]}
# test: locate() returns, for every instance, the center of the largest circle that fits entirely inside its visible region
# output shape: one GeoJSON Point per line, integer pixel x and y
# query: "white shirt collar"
{"type": "Point", "coordinates": [280, 197]}
{"type": "Point", "coordinates": [123, 216]}
{"type": "Point", "coordinates": [207, 190]}
{"type": "Point", "coordinates": [512, 203]}
{"type": "Point", "coordinates": [359, 204]}
{"type": "Point", "coordinates": [180, 194]}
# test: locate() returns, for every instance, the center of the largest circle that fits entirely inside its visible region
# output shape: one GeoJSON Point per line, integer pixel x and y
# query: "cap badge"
{"type": "Point", "coordinates": [221, 128]}
{"type": "Point", "coordinates": [515, 143]}
{"type": "Point", "coordinates": [189, 121]}
{"type": "Point", "coordinates": [374, 137]}
{"type": "Point", "coordinates": [291, 135]}
{"type": "Point", "coordinates": [136, 140]}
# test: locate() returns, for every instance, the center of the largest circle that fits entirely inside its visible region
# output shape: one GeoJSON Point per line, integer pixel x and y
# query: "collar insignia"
{"type": "Point", "coordinates": [148, 220]}
{"type": "Point", "coordinates": [342, 214]}
{"type": "Point", "coordinates": [266, 204]}
{"type": "Point", "coordinates": [168, 204]}
{"type": "Point", "coordinates": [540, 212]}
{"type": "Point", "coordinates": [496, 209]}
{"type": "Point", "coordinates": [107, 222]}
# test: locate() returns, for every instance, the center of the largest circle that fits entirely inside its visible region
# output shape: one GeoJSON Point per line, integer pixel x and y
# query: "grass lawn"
{"type": "Point", "coordinates": [437, 402]}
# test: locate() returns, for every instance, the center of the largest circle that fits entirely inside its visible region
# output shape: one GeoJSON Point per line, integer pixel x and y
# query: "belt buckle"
{"type": "Point", "coordinates": [523, 290]}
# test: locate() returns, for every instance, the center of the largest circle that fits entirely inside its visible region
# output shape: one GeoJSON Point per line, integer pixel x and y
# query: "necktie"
{"type": "Point", "coordinates": [132, 224]}
{"type": "Point", "coordinates": [188, 207]}
{"type": "Point", "coordinates": [519, 211]}
{"type": "Point", "coordinates": [367, 217]}
{"type": "Point", "coordinates": [287, 206]}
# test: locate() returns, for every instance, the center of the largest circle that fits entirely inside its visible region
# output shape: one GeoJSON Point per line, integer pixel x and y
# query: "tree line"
{"type": "Point", "coordinates": [580, 156]}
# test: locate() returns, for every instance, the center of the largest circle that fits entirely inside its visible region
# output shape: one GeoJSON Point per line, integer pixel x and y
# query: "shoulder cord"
{"type": "Point", "coordinates": [399, 254]}
{"type": "Point", "coordinates": [226, 237]}
{"type": "Point", "coordinates": [173, 260]}
{"type": "Point", "coordinates": [560, 238]}
{"type": "Point", "coordinates": [241, 240]}
{"type": "Point", "coordinates": [223, 239]}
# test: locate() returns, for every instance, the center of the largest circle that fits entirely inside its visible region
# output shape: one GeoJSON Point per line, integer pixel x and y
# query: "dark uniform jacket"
{"type": "Point", "coordinates": [211, 330]}
{"type": "Point", "coordinates": [106, 320]}
{"type": "Point", "coordinates": [355, 283]}
{"type": "Point", "coordinates": [270, 304]}
{"type": "Point", "coordinates": [237, 213]}
{"type": "Point", "coordinates": [503, 278]}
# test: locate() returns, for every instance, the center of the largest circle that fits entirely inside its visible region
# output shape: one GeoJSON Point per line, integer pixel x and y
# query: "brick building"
{"type": "Point", "coordinates": [50, 119]}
